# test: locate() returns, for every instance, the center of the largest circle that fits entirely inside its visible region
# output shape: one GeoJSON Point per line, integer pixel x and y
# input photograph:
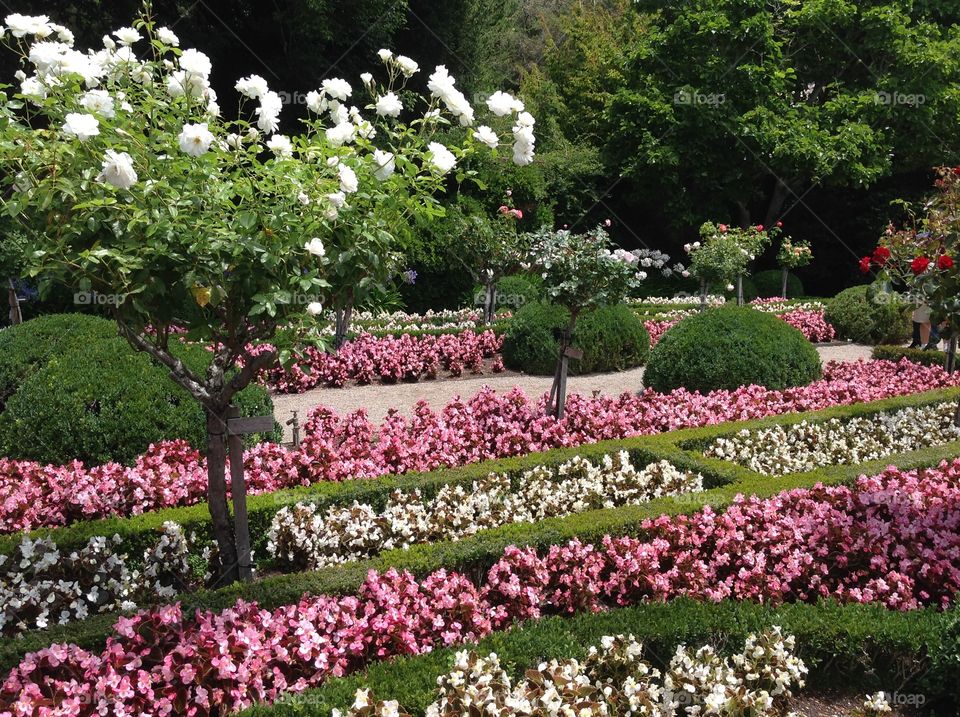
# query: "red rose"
{"type": "Point", "coordinates": [722, 227]}
{"type": "Point", "coordinates": [919, 265]}
{"type": "Point", "coordinates": [865, 264]}
{"type": "Point", "coordinates": [956, 170]}
{"type": "Point", "coordinates": [944, 262]}
{"type": "Point", "coordinates": [779, 225]}
{"type": "Point", "coordinates": [759, 227]}
{"type": "Point", "coordinates": [880, 255]}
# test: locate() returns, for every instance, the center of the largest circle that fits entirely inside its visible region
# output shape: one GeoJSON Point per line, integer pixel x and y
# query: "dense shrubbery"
{"type": "Point", "coordinates": [770, 282]}
{"type": "Point", "coordinates": [862, 314]}
{"type": "Point", "coordinates": [612, 338]}
{"type": "Point", "coordinates": [77, 391]}
{"type": "Point", "coordinates": [729, 347]}
{"type": "Point", "coordinates": [895, 353]}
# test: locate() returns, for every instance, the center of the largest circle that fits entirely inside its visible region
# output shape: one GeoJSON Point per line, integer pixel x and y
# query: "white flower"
{"type": "Point", "coordinates": [280, 145]}
{"type": "Point", "coordinates": [195, 62]}
{"type": "Point", "coordinates": [389, 105]}
{"type": "Point", "coordinates": [32, 88]}
{"type": "Point", "coordinates": [81, 126]}
{"type": "Point", "coordinates": [503, 103]}
{"type": "Point", "coordinates": [195, 139]}
{"type": "Point", "coordinates": [441, 85]}
{"type": "Point", "coordinates": [386, 164]}
{"type": "Point", "coordinates": [315, 247]}
{"type": "Point", "coordinates": [268, 113]}
{"type": "Point", "coordinates": [382, 54]}
{"type": "Point", "coordinates": [407, 66]}
{"type": "Point", "coordinates": [315, 102]}
{"type": "Point", "coordinates": [441, 157]}
{"type": "Point", "coordinates": [303, 198]}
{"type": "Point", "coordinates": [366, 78]}
{"type": "Point", "coordinates": [118, 170]}
{"type": "Point", "coordinates": [99, 102]}
{"type": "Point", "coordinates": [348, 179]}
{"type": "Point", "coordinates": [167, 37]}
{"type": "Point", "coordinates": [64, 33]}
{"type": "Point", "coordinates": [127, 35]}
{"type": "Point", "coordinates": [182, 83]}
{"type": "Point", "coordinates": [47, 56]}
{"type": "Point", "coordinates": [337, 88]}
{"type": "Point", "coordinates": [337, 199]}
{"type": "Point", "coordinates": [108, 43]}
{"type": "Point", "coordinates": [341, 134]}
{"type": "Point", "coordinates": [20, 25]}
{"type": "Point", "coordinates": [487, 136]}
{"type": "Point", "coordinates": [253, 87]}
{"type": "Point", "coordinates": [314, 308]}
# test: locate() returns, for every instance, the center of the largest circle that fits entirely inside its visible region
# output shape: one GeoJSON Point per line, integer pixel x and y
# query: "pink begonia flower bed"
{"type": "Point", "coordinates": [390, 359]}
{"type": "Point", "coordinates": [811, 324]}
{"type": "Point", "coordinates": [486, 426]}
{"type": "Point", "coordinates": [893, 539]}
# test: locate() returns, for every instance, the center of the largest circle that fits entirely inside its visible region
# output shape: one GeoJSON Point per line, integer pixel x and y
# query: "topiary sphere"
{"type": "Point", "coordinates": [612, 338]}
{"type": "Point", "coordinates": [869, 316]}
{"type": "Point", "coordinates": [729, 347]}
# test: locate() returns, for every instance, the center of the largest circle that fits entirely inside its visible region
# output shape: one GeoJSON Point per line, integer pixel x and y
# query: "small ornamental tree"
{"type": "Point", "coordinates": [792, 255]}
{"type": "Point", "coordinates": [580, 272]}
{"type": "Point", "coordinates": [723, 255]}
{"type": "Point", "coordinates": [492, 249]}
{"type": "Point", "coordinates": [127, 181]}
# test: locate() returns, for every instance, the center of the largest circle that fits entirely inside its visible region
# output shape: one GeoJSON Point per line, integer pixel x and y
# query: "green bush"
{"type": "Point", "coordinates": [749, 290]}
{"type": "Point", "coordinates": [769, 284]}
{"type": "Point", "coordinates": [895, 353]}
{"type": "Point", "coordinates": [656, 284]}
{"type": "Point", "coordinates": [27, 348]}
{"type": "Point", "coordinates": [98, 400]}
{"type": "Point", "coordinates": [612, 338]}
{"type": "Point", "coordinates": [861, 314]}
{"type": "Point", "coordinates": [729, 347]}
{"type": "Point", "coordinates": [513, 293]}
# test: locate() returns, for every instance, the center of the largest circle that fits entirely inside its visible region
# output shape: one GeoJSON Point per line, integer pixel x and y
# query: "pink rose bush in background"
{"type": "Point", "coordinates": [893, 539]}
{"type": "Point", "coordinates": [488, 425]}
{"type": "Point", "coordinates": [390, 359]}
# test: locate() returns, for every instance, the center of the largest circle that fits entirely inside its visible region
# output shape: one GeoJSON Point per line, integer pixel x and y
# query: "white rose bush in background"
{"type": "Point", "coordinates": [130, 180]}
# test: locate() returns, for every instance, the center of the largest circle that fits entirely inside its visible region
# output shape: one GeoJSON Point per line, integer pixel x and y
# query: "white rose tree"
{"type": "Point", "coordinates": [126, 180]}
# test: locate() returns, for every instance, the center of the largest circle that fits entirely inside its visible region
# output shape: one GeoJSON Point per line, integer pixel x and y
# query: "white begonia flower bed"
{"type": "Point", "coordinates": [614, 680]}
{"type": "Point", "coordinates": [303, 537]}
{"type": "Point", "coordinates": [41, 587]}
{"type": "Point", "coordinates": [806, 446]}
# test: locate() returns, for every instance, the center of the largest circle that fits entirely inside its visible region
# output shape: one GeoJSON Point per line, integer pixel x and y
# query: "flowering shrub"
{"type": "Point", "coordinates": [405, 358]}
{"type": "Point", "coordinates": [893, 539]}
{"type": "Point", "coordinates": [805, 446]}
{"type": "Point", "coordinates": [614, 680]}
{"type": "Point", "coordinates": [303, 538]}
{"type": "Point", "coordinates": [488, 425]}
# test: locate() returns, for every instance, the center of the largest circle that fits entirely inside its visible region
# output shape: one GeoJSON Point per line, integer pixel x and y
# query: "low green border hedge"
{"type": "Point", "coordinates": [474, 555]}
{"type": "Point", "coordinates": [860, 647]}
{"type": "Point", "coordinates": [920, 356]}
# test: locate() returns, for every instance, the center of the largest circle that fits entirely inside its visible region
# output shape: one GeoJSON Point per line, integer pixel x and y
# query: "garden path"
{"type": "Point", "coordinates": [378, 398]}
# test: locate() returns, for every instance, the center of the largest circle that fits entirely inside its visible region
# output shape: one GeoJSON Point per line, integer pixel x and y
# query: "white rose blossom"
{"type": "Point", "coordinates": [386, 164]}
{"type": "Point", "coordinates": [280, 145]}
{"type": "Point", "coordinates": [127, 35]}
{"type": "Point", "coordinates": [389, 105]}
{"type": "Point", "coordinates": [337, 88]}
{"type": "Point", "coordinates": [98, 102]}
{"type": "Point", "coordinates": [195, 139]}
{"type": "Point", "coordinates": [441, 157]}
{"type": "Point", "coordinates": [487, 136]}
{"type": "Point", "coordinates": [82, 126]}
{"type": "Point", "coordinates": [348, 179]}
{"type": "Point", "coordinates": [118, 170]}
{"type": "Point", "coordinates": [253, 87]}
{"type": "Point", "coordinates": [167, 37]}
{"type": "Point", "coordinates": [315, 247]}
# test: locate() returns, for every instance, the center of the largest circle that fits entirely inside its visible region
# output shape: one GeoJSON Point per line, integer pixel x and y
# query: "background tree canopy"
{"type": "Point", "coordinates": [659, 116]}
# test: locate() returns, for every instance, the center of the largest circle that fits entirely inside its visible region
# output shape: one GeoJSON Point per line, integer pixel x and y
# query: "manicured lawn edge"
{"type": "Point", "coordinates": [474, 555]}
{"type": "Point", "coordinates": [860, 647]}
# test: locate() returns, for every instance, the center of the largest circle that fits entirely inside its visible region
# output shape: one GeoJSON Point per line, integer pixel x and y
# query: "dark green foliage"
{"type": "Point", "coordinates": [895, 353]}
{"type": "Point", "coordinates": [656, 284]}
{"type": "Point", "coordinates": [770, 282]}
{"type": "Point", "coordinates": [77, 391]}
{"type": "Point", "coordinates": [515, 292]}
{"type": "Point", "coordinates": [729, 347]}
{"type": "Point", "coordinates": [749, 290]}
{"type": "Point", "coordinates": [867, 316]}
{"type": "Point", "coordinates": [845, 646]}
{"type": "Point", "coordinates": [612, 338]}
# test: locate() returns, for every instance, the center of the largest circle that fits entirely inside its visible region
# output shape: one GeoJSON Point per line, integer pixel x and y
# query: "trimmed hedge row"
{"type": "Point", "coordinates": [845, 646]}
{"type": "Point", "coordinates": [473, 555]}
{"type": "Point", "coordinates": [920, 356]}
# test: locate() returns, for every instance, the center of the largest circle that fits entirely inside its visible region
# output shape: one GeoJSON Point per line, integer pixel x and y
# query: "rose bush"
{"type": "Point", "coordinates": [488, 425]}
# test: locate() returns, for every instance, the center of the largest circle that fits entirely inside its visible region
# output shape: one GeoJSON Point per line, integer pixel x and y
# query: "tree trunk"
{"type": "Point", "coordinates": [343, 317]}
{"type": "Point", "coordinates": [783, 286]}
{"type": "Point", "coordinates": [740, 290]}
{"type": "Point", "coordinates": [743, 215]}
{"type": "Point", "coordinates": [777, 200]}
{"type": "Point", "coordinates": [16, 316]}
{"type": "Point", "coordinates": [489, 302]}
{"type": "Point", "coordinates": [952, 355]}
{"type": "Point", "coordinates": [703, 294]}
{"type": "Point", "coordinates": [217, 496]}
{"type": "Point", "coordinates": [558, 391]}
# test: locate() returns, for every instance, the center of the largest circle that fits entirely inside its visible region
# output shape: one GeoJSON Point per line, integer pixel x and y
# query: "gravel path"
{"type": "Point", "coordinates": [378, 399]}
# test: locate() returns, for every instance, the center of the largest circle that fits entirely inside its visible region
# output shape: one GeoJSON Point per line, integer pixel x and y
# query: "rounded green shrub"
{"type": "Point", "coordinates": [868, 316]}
{"type": "Point", "coordinates": [729, 347]}
{"type": "Point", "coordinates": [26, 348]}
{"type": "Point", "coordinates": [515, 292]}
{"type": "Point", "coordinates": [98, 400]}
{"type": "Point", "coordinates": [612, 338]}
{"type": "Point", "coordinates": [769, 284]}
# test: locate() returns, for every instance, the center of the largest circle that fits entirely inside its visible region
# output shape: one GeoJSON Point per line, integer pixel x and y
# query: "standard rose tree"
{"type": "Point", "coordinates": [792, 255]}
{"type": "Point", "coordinates": [723, 255]}
{"type": "Point", "coordinates": [127, 181]}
